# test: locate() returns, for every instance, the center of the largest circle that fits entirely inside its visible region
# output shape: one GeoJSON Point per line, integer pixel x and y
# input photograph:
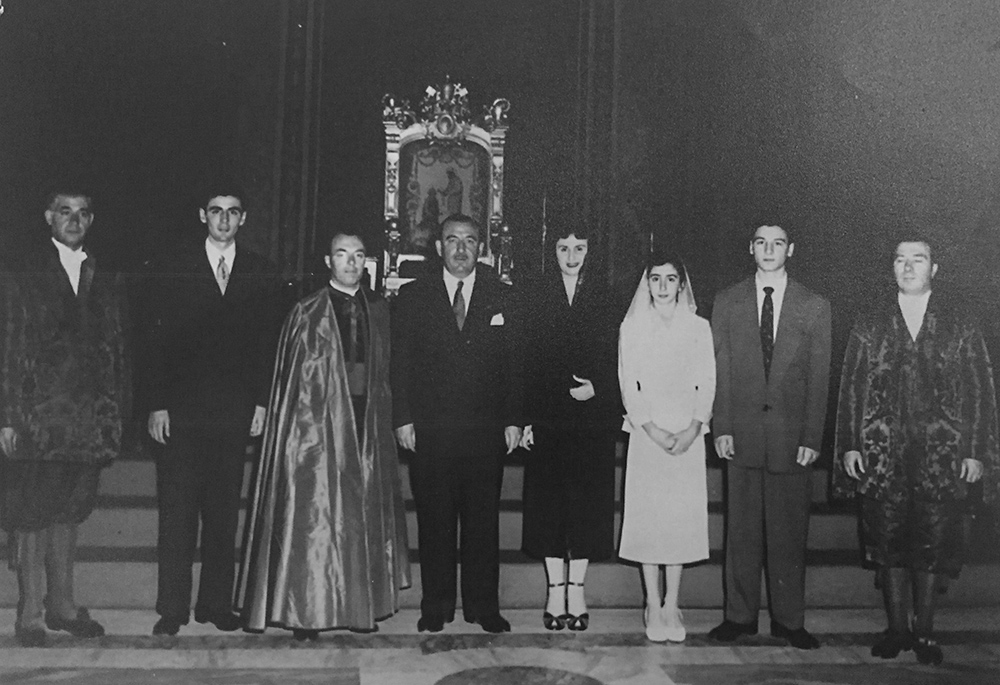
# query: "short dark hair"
{"type": "Point", "coordinates": [347, 233]}
{"type": "Point", "coordinates": [221, 188]}
{"type": "Point", "coordinates": [782, 226]}
{"type": "Point", "coordinates": [69, 190]}
{"type": "Point", "coordinates": [660, 256]}
{"type": "Point", "coordinates": [461, 219]}
{"type": "Point", "coordinates": [565, 228]}
{"type": "Point", "coordinates": [907, 235]}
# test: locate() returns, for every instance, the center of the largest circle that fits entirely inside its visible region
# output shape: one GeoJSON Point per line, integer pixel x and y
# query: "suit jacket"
{"type": "Point", "coordinates": [443, 376]}
{"type": "Point", "coordinates": [770, 419]}
{"type": "Point", "coordinates": [211, 355]}
{"type": "Point", "coordinates": [66, 372]}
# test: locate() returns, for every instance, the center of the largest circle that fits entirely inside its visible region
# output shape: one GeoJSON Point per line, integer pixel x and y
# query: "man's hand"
{"type": "Point", "coordinates": [527, 438]}
{"type": "Point", "coordinates": [8, 440]}
{"type": "Point", "coordinates": [854, 464]}
{"type": "Point", "coordinates": [806, 456]}
{"type": "Point", "coordinates": [582, 392]}
{"type": "Point", "coordinates": [724, 446]}
{"type": "Point", "coordinates": [257, 425]}
{"type": "Point", "coordinates": [972, 470]}
{"type": "Point", "coordinates": [665, 440]}
{"type": "Point", "coordinates": [406, 437]}
{"type": "Point", "coordinates": [512, 434]}
{"type": "Point", "coordinates": [159, 426]}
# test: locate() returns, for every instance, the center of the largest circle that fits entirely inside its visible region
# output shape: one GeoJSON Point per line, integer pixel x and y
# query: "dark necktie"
{"type": "Point", "coordinates": [458, 306]}
{"type": "Point", "coordinates": [767, 329]}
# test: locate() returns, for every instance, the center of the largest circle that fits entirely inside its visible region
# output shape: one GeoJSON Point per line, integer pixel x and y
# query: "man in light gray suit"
{"type": "Point", "coordinates": [772, 352]}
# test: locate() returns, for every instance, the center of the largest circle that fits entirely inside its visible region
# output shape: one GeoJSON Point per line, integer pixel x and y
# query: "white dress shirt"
{"type": "Point", "coordinates": [213, 253]}
{"type": "Point", "coordinates": [72, 261]}
{"type": "Point", "coordinates": [451, 284]}
{"type": "Point", "coordinates": [777, 297]}
{"type": "Point", "coordinates": [913, 308]}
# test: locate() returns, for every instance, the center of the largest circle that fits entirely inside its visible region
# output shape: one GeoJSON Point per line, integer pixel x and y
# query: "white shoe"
{"type": "Point", "coordinates": [674, 628]}
{"type": "Point", "coordinates": [656, 629]}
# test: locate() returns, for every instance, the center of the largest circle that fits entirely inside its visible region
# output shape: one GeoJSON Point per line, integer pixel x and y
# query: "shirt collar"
{"type": "Point", "coordinates": [214, 253]}
{"type": "Point", "coordinates": [779, 284]}
{"type": "Point", "coordinates": [68, 254]}
{"type": "Point", "coordinates": [344, 289]}
{"type": "Point", "coordinates": [916, 302]}
{"type": "Point", "coordinates": [451, 282]}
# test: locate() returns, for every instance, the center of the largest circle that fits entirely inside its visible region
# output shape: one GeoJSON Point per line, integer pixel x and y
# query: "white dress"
{"type": "Point", "coordinates": [667, 375]}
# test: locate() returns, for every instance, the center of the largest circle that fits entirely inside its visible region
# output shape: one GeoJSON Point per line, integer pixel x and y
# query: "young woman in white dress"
{"type": "Point", "coordinates": [667, 375]}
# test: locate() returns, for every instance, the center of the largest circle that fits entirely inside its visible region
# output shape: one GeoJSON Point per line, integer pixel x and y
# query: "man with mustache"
{"type": "Point", "coordinates": [457, 393]}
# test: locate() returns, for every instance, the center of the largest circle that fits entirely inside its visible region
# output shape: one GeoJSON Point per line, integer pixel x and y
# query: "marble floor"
{"type": "Point", "coordinates": [613, 651]}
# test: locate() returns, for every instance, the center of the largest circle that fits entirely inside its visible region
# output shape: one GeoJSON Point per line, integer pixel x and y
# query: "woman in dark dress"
{"type": "Point", "coordinates": [574, 411]}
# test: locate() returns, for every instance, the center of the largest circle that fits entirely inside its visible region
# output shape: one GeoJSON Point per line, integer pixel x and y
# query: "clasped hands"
{"type": "Point", "coordinates": [674, 444]}
{"type": "Point", "coordinates": [159, 424]}
{"type": "Point", "coordinates": [854, 466]}
{"type": "Point", "coordinates": [724, 447]}
{"type": "Point", "coordinates": [406, 437]}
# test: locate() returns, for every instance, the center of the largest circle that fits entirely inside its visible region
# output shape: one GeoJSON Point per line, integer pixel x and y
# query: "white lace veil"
{"type": "Point", "coordinates": [642, 301]}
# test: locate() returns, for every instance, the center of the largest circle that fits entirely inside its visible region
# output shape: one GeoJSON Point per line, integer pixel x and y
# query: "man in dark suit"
{"type": "Point", "coordinates": [457, 392]}
{"type": "Point", "coordinates": [211, 353]}
{"type": "Point", "coordinates": [772, 352]}
{"type": "Point", "coordinates": [65, 389]}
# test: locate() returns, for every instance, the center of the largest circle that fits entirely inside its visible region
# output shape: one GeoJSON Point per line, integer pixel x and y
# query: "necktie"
{"type": "Point", "coordinates": [222, 275]}
{"type": "Point", "coordinates": [767, 329]}
{"type": "Point", "coordinates": [458, 306]}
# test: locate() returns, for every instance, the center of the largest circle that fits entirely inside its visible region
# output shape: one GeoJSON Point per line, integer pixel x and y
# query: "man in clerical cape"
{"type": "Point", "coordinates": [916, 427]}
{"type": "Point", "coordinates": [326, 542]}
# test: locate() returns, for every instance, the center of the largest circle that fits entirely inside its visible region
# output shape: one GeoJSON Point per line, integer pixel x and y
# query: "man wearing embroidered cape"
{"type": "Point", "coordinates": [916, 426]}
{"type": "Point", "coordinates": [326, 539]}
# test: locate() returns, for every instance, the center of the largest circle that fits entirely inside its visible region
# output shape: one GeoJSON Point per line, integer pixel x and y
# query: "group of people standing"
{"type": "Point", "coordinates": [464, 371]}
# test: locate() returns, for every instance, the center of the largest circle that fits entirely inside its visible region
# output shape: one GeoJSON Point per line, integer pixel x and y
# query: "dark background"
{"type": "Point", "coordinates": [845, 120]}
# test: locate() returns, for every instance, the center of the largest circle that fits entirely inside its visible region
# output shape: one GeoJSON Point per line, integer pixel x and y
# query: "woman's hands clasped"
{"type": "Point", "coordinates": [673, 443]}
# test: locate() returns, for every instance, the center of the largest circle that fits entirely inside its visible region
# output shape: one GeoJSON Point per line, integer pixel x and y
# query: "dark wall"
{"type": "Point", "coordinates": [843, 120]}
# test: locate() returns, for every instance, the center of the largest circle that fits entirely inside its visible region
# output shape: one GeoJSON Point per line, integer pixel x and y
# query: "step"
{"type": "Point", "coordinates": [132, 584]}
{"type": "Point", "coordinates": [132, 522]}
{"type": "Point", "coordinates": [138, 478]}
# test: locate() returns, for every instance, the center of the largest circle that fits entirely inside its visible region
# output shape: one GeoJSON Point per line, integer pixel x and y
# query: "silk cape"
{"type": "Point", "coordinates": [326, 543]}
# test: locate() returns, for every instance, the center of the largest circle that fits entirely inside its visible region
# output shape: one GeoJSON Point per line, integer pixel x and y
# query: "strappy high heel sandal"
{"type": "Point", "coordinates": [551, 621]}
{"type": "Point", "coordinates": [581, 622]}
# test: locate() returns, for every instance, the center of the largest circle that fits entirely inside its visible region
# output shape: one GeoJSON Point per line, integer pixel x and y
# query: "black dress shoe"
{"type": "Point", "coordinates": [927, 651]}
{"type": "Point", "coordinates": [225, 621]}
{"type": "Point", "coordinates": [364, 631]}
{"type": "Point", "coordinates": [728, 631]}
{"type": "Point", "coordinates": [166, 626]}
{"type": "Point", "coordinates": [32, 636]}
{"type": "Point", "coordinates": [81, 626]}
{"type": "Point", "coordinates": [303, 634]}
{"type": "Point", "coordinates": [891, 644]}
{"type": "Point", "coordinates": [800, 638]}
{"type": "Point", "coordinates": [432, 624]}
{"type": "Point", "coordinates": [491, 623]}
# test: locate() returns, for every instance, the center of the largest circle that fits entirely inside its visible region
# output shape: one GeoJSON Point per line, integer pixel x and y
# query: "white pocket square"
{"type": "Point", "coordinates": [497, 320]}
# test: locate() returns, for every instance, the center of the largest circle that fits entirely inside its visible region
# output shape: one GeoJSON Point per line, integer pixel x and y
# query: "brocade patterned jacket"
{"type": "Point", "coordinates": [915, 409]}
{"type": "Point", "coordinates": [64, 362]}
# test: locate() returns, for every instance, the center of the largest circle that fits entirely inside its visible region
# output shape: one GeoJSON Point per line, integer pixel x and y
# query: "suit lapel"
{"type": "Point", "coordinates": [748, 326]}
{"type": "Point", "coordinates": [791, 322]}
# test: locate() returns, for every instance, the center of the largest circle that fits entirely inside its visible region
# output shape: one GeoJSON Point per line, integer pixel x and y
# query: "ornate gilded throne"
{"type": "Point", "coordinates": [442, 160]}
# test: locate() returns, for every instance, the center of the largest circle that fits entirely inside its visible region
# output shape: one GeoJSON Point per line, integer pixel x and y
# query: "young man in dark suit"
{"type": "Point", "coordinates": [772, 353]}
{"type": "Point", "coordinates": [457, 392]}
{"type": "Point", "coordinates": [211, 354]}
